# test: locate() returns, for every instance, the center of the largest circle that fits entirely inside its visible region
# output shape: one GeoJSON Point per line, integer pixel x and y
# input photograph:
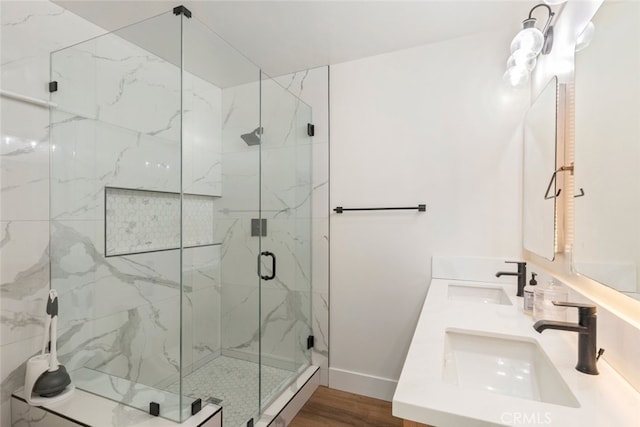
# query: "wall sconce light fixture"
{"type": "Point", "coordinates": [526, 46]}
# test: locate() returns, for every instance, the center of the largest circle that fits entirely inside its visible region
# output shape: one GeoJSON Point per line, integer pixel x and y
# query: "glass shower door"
{"type": "Point", "coordinates": [285, 245]}
{"type": "Point", "coordinates": [221, 165]}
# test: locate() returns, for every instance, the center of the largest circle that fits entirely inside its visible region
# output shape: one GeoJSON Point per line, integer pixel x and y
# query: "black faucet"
{"type": "Point", "coordinates": [522, 275]}
{"type": "Point", "coordinates": [586, 328]}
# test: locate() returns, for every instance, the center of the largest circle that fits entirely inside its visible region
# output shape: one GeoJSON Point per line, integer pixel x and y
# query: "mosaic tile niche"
{"type": "Point", "coordinates": [138, 221]}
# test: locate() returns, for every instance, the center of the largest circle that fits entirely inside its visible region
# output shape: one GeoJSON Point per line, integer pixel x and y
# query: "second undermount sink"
{"type": "Point", "coordinates": [507, 365]}
{"type": "Point", "coordinates": [478, 293]}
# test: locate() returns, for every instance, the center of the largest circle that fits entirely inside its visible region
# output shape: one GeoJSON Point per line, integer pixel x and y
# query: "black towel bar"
{"type": "Point", "coordinates": [419, 208]}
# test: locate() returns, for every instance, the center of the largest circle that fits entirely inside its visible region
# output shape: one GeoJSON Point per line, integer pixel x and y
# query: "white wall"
{"type": "Point", "coordinates": [431, 124]}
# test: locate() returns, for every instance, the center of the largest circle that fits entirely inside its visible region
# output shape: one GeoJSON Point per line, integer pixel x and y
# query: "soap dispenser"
{"type": "Point", "coordinates": [529, 295]}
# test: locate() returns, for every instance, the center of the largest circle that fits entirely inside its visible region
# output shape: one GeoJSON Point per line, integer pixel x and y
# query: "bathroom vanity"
{"type": "Point", "coordinates": [475, 360]}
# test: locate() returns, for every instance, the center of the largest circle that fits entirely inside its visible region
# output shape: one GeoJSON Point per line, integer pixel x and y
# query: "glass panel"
{"type": "Point", "coordinates": [539, 165]}
{"type": "Point", "coordinates": [286, 207]}
{"type": "Point", "coordinates": [221, 101]}
{"type": "Point", "coordinates": [117, 126]}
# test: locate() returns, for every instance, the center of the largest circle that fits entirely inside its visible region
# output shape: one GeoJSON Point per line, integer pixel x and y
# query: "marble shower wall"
{"type": "Point", "coordinates": [30, 31]}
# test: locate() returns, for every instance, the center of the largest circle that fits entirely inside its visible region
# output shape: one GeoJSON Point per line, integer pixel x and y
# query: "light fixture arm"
{"type": "Point", "coordinates": [551, 15]}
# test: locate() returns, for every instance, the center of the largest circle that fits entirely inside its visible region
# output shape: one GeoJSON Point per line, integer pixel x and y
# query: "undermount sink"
{"type": "Point", "coordinates": [508, 365]}
{"type": "Point", "coordinates": [482, 294]}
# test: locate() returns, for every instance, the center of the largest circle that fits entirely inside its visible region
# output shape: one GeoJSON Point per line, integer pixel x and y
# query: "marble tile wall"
{"type": "Point", "coordinates": [30, 31]}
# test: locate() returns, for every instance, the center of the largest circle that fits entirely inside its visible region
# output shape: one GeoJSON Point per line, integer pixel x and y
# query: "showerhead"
{"type": "Point", "coordinates": [252, 138]}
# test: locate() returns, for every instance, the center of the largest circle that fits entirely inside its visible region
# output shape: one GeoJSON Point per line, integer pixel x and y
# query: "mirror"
{"type": "Point", "coordinates": [607, 150]}
{"type": "Point", "coordinates": [539, 166]}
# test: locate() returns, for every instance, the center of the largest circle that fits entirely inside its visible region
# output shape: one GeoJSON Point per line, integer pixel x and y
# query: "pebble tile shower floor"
{"type": "Point", "coordinates": [234, 383]}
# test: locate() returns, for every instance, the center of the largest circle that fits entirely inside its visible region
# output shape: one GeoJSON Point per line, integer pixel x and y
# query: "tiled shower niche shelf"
{"type": "Point", "coordinates": [141, 221]}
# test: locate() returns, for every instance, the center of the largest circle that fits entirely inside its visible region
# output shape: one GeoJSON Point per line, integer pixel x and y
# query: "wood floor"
{"type": "Point", "coordinates": [329, 407]}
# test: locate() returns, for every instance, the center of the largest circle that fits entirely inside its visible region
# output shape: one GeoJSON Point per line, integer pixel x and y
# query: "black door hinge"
{"type": "Point", "coordinates": [311, 129]}
{"type": "Point", "coordinates": [258, 227]}
{"type": "Point", "coordinates": [53, 86]}
{"type": "Point", "coordinates": [154, 408]}
{"type": "Point", "coordinates": [310, 342]}
{"type": "Point", "coordinates": [196, 406]}
{"type": "Point", "coordinates": [181, 10]}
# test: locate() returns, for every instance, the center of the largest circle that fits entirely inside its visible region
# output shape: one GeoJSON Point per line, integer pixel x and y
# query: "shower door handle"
{"type": "Point", "coordinates": [273, 265]}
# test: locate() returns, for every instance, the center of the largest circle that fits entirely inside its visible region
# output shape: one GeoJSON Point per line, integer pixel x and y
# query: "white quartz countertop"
{"type": "Point", "coordinates": [424, 395]}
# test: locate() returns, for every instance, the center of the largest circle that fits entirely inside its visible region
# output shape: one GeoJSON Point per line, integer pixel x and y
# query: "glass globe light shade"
{"type": "Point", "coordinates": [585, 37]}
{"type": "Point", "coordinates": [516, 76]}
{"type": "Point", "coordinates": [528, 39]}
{"type": "Point", "coordinates": [524, 58]}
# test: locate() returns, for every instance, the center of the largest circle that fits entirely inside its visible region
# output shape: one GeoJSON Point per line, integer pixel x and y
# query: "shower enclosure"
{"type": "Point", "coordinates": [180, 221]}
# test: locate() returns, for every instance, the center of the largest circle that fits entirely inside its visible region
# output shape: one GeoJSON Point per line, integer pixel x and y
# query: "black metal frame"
{"type": "Point", "coordinates": [181, 10]}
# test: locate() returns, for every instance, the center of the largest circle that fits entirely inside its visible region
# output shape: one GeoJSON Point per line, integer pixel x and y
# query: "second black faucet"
{"type": "Point", "coordinates": [521, 273]}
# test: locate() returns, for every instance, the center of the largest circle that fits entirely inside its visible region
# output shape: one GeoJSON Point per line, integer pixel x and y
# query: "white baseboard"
{"type": "Point", "coordinates": [363, 384]}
